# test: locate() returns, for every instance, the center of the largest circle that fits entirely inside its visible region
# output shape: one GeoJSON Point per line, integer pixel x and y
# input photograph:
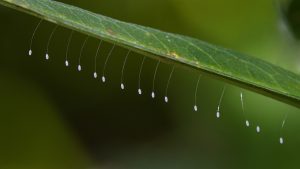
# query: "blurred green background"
{"type": "Point", "coordinates": [55, 117]}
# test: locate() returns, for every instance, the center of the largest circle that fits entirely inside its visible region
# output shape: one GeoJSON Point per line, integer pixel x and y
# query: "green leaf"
{"type": "Point", "coordinates": [233, 67]}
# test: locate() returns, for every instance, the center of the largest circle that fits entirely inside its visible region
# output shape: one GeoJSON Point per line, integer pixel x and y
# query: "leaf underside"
{"type": "Point", "coordinates": [235, 68]}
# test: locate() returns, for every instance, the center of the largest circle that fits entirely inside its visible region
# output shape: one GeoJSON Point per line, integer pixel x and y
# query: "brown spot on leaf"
{"type": "Point", "coordinates": [174, 54]}
{"type": "Point", "coordinates": [111, 32]}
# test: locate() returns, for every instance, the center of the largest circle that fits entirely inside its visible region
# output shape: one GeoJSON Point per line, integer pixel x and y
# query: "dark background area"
{"type": "Point", "coordinates": [56, 117]}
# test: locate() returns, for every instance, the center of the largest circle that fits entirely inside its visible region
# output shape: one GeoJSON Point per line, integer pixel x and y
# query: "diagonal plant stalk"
{"type": "Point", "coordinates": [227, 65]}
